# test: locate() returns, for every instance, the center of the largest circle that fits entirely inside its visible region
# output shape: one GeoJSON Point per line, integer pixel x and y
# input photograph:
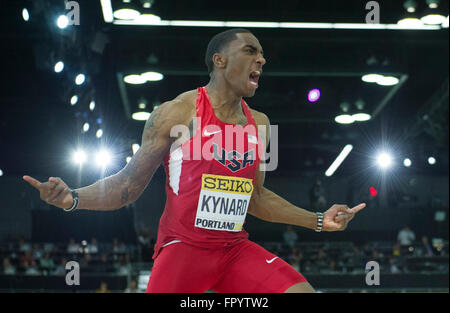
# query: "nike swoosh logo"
{"type": "Point", "coordinates": [270, 261]}
{"type": "Point", "coordinates": [207, 133]}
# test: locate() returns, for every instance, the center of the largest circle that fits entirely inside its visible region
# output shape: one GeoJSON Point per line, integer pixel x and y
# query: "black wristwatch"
{"type": "Point", "coordinates": [75, 201]}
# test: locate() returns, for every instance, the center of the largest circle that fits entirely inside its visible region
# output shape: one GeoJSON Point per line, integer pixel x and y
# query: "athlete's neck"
{"type": "Point", "coordinates": [223, 98]}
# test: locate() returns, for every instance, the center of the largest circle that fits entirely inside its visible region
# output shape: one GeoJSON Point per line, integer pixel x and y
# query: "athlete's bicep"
{"type": "Point", "coordinates": [156, 142]}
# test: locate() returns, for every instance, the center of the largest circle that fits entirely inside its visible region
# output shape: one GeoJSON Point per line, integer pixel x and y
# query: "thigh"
{"type": "Point", "coordinates": [251, 269]}
{"type": "Point", "coordinates": [181, 268]}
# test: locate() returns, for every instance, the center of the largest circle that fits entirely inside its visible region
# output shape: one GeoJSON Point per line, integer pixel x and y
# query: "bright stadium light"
{"type": "Point", "coordinates": [152, 76]}
{"type": "Point", "coordinates": [62, 21]}
{"type": "Point", "coordinates": [79, 80]}
{"type": "Point", "coordinates": [341, 157]}
{"type": "Point", "coordinates": [384, 160]}
{"type": "Point", "coordinates": [410, 23]}
{"type": "Point", "coordinates": [140, 116]}
{"type": "Point", "coordinates": [407, 162]}
{"type": "Point", "coordinates": [147, 19]}
{"type": "Point", "coordinates": [92, 105]}
{"type": "Point", "coordinates": [126, 14]}
{"type": "Point", "coordinates": [103, 158]}
{"type": "Point", "coordinates": [59, 67]}
{"type": "Point", "coordinates": [445, 24]}
{"type": "Point", "coordinates": [107, 11]}
{"type": "Point", "coordinates": [74, 100]}
{"type": "Point", "coordinates": [371, 78]}
{"type": "Point", "coordinates": [313, 95]}
{"type": "Point", "coordinates": [99, 133]}
{"type": "Point", "coordinates": [388, 81]}
{"type": "Point", "coordinates": [431, 160]}
{"type": "Point", "coordinates": [25, 15]}
{"type": "Point", "coordinates": [361, 117]}
{"type": "Point", "coordinates": [79, 157]}
{"type": "Point", "coordinates": [344, 119]}
{"type": "Point", "coordinates": [134, 79]}
{"type": "Point", "coordinates": [1, 172]}
{"type": "Point", "coordinates": [128, 159]}
{"type": "Point", "coordinates": [85, 127]}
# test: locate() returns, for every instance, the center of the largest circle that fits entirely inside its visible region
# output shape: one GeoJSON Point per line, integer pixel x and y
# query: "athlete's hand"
{"type": "Point", "coordinates": [54, 191]}
{"type": "Point", "coordinates": [338, 216]}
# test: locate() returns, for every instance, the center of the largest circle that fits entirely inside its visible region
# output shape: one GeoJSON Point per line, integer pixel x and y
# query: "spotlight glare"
{"type": "Point", "coordinates": [103, 158]}
{"type": "Point", "coordinates": [433, 19]}
{"type": "Point", "coordinates": [107, 11]}
{"type": "Point", "coordinates": [361, 117]}
{"type": "Point", "coordinates": [371, 78]}
{"type": "Point", "coordinates": [344, 119]}
{"type": "Point", "coordinates": [431, 160]}
{"type": "Point", "coordinates": [340, 158]}
{"type": "Point", "coordinates": [92, 105]}
{"type": "Point", "coordinates": [25, 15]}
{"type": "Point", "coordinates": [445, 24]}
{"type": "Point", "coordinates": [388, 81]}
{"type": "Point", "coordinates": [79, 80]}
{"type": "Point", "coordinates": [410, 23]}
{"type": "Point", "coordinates": [384, 160]}
{"type": "Point", "coordinates": [140, 116]}
{"type": "Point", "coordinates": [79, 157]}
{"type": "Point", "coordinates": [1, 172]}
{"type": "Point", "coordinates": [152, 76]}
{"type": "Point", "coordinates": [314, 95]}
{"type": "Point", "coordinates": [126, 14]}
{"type": "Point", "coordinates": [59, 67]}
{"type": "Point", "coordinates": [62, 21]}
{"type": "Point", "coordinates": [99, 133]}
{"type": "Point", "coordinates": [134, 79]}
{"type": "Point", "coordinates": [74, 100]}
{"type": "Point", "coordinates": [128, 159]}
{"type": "Point", "coordinates": [407, 162]}
{"type": "Point", "coordinates": [85, 127]}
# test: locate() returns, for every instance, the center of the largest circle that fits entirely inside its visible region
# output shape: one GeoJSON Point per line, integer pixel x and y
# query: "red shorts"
{"type": "Point", "coordinates": [242, 268]}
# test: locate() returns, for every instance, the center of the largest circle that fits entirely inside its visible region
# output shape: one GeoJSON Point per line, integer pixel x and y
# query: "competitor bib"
{"type": "Point", "coordinates": [223, 202]}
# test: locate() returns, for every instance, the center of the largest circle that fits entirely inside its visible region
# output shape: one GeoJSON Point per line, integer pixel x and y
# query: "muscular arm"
{"type": "Point", "coordinates": [268, 206]}
{"type": "Point", "coordinates": [128, 184]}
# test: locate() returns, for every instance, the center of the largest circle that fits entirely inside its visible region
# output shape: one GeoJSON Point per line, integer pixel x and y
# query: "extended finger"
{"type": "Point", "coordinates": [32, 181]}
{"type": "Point", "coordinates": [357, 208]}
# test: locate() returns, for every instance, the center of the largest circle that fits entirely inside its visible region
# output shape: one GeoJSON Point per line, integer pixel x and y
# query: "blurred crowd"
{"type": "Point", "coordinates": [406, 254]}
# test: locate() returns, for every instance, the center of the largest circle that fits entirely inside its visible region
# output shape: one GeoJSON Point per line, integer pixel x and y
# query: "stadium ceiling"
{"type": "Point", "coordinates": [298, 59]}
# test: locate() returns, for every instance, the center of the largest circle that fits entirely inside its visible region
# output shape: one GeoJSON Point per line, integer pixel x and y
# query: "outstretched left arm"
{"type": "Point", "coordinates": [268, 206]}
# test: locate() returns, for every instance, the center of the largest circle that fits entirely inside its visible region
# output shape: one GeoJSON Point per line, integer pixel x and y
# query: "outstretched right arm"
{"type": "Point", "coordinates": [127, 185]}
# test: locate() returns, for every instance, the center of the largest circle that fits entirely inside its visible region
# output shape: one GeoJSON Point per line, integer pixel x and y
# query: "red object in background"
{"type": "Point", "coordinates": [373, 191]}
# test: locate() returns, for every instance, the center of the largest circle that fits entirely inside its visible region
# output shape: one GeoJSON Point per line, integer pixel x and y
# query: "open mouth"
{"type": "Point", "coordinates": [254, 77]}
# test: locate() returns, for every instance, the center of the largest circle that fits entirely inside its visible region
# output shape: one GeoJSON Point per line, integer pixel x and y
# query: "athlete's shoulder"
{"type": "Point", "coordinates": [260, 117]}
{"type": "Point", "coordinates": [180, 108]}
{"type": "Point", "coordinates": [187, 99]}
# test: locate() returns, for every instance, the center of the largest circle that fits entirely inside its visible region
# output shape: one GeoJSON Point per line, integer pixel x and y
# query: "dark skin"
{"type": "Point", "coordinates": [229, 83]}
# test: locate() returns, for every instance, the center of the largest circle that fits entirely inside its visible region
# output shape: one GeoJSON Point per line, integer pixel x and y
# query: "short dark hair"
{"type": "Point", "coordinates": [219, 42]}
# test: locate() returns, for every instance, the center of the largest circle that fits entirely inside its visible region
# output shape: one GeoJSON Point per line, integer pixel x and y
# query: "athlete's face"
{"type": "Point", "coordinates": [244, 62]}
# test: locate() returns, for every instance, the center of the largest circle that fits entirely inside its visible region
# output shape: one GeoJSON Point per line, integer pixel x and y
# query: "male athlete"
{"type": "Point", "coordinates": [201, 244]}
